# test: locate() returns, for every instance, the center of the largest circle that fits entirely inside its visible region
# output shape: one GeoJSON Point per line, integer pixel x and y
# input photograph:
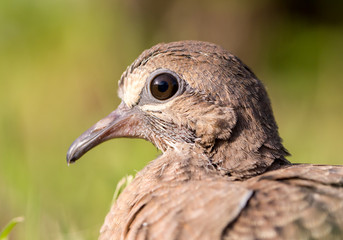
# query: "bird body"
{"type": "Point", "coordinates": [223, 172]}
{"type": "Point", "coordinates": [186, 199]}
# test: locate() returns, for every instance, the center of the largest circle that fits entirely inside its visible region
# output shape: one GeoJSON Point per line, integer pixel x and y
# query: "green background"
{"type": "Point", "coordinates": [59, 65]}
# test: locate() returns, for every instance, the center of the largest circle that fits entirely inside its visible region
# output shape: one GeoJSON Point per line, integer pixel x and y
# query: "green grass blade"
{"type": "Point", "coordinates": [8, 228]}
{"type": "Point", "coordinates": [122, 184]}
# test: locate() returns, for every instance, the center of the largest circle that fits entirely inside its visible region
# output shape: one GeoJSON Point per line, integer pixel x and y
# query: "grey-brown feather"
{"type": "Point", "coordinates": [297, 202]}
{"type": "Point", "coordinates": [223, 173]}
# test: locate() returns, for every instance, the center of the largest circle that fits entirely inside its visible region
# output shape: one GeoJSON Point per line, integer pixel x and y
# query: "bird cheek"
{"type": "Point", "coordinates": [215, 125]}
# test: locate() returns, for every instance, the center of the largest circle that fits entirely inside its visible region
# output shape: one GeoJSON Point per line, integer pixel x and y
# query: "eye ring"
{"type": "Point", "coordinates": [164, 85]}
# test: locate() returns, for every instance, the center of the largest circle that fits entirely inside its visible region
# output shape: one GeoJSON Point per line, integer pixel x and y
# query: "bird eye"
{"type": "Point", "coordinates": [164, 86]}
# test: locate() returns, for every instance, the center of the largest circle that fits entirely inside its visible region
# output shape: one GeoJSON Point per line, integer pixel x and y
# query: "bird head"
{"type": "Point", "coordinates": [193, 94]}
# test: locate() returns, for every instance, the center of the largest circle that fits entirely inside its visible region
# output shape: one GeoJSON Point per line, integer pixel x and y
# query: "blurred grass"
{"type": "Point", "coordinates": [59, 65]}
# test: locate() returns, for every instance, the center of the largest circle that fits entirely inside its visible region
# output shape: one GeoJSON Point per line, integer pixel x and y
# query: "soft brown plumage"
{"type": "Point", "coordinates": [223, 172]}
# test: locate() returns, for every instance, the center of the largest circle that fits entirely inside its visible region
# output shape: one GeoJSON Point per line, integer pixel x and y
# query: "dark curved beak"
{"type": "Point", "coordinates": [122, 122]}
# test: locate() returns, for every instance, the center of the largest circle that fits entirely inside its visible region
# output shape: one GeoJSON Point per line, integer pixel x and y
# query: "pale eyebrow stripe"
{"type": "Point", "coordinates": [133, 85]}
{"type": "Point", "coordinates": [156, 107]}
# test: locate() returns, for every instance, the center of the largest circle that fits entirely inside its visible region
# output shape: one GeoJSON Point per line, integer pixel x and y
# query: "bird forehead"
{"type": "Point", "coordinates": [196, 68]}
{"type": "Point", "coordinates": [134, 82]}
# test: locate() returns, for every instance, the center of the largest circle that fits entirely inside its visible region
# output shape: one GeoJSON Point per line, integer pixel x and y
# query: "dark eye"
{"type": "Point", "coordinates": [164, 86]}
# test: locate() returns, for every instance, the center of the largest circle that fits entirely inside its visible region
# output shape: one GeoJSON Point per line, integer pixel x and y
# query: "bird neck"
{"type": "Point", "coordinates": [182, 163]}
{"type": "Point", "coordinates": [239, 163]}
{"type": "Point", "coordinates": [225, 159]}
{"type": "Point", "coordinates": [252, 149]}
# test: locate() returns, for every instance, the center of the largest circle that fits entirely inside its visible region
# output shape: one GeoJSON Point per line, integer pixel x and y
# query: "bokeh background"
{"type": "Point", "coordinates": [59, 65]}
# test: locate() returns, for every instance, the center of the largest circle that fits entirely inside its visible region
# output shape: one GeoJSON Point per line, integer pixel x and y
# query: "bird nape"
{"type": "Point", "coordinates": [223, 172]}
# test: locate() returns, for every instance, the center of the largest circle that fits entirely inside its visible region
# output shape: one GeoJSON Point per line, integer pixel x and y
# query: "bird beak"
{"type": "Point", "coordinates": [122, 122]}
